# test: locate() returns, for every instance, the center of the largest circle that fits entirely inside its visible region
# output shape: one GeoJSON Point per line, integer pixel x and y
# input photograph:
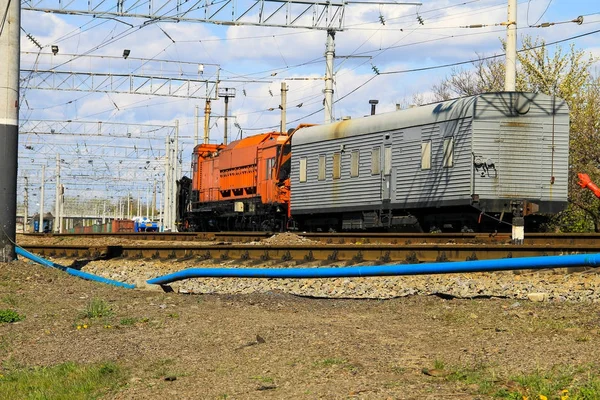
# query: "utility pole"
{"type": "Point", "coordinates": [10, 25]}
{"type": "Point", "coordinates": [26, 205]}
{"type": "Point", "coordinates": [153, 199]}
{"type": "Point", "coordinates": [57, 196]}
{"type": "Point", "coordinates": [161, 213]}
{"type": "Point", "coordinates": [226, 93]}
{"type": "Point", "coordinates": [195, 126]}
{"type": "Point", "coordinates": [284, 90]}
{"type": "Point", "coordinates": [137, 213]}
{"type": "Point", "coordinates": [510, 81]}
{"type": "Point", "coordinates": [167, 187]}
{"type": "Point", "coordinates": [61, 209]}
{"type": "Point", "coordinates": [329, 56]}
{"type": "Point", "coordinates": [174, 176]}
{"type": "Point", "coordinates": [206, 121]}
{"type": "Point", "coordinates": [41, 226]}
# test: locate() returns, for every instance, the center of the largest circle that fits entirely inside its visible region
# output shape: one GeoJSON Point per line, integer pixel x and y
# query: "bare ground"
{"type": "Point", "coordinates": [274, 345]}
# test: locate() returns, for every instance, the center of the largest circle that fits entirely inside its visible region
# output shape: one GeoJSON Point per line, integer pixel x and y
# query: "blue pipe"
{"type": "Point", "coordinates": [576, 260]}
{"type": "Point", "coordinates": [80, 274]}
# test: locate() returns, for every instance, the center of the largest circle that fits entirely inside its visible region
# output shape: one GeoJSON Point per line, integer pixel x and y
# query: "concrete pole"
{"type": "Point", "coordinates": [104, 212]}
{"type": "Point", "coordinates": [61, 209]}
{"type": "Point", "coordinates": [160, 213]}
{"type": "Point", "coordinates": [226, 117]}
{"type": "Point", "coordinates": [57, 196]}
{"type": "Point", "coordinates": [329, 55]}
{"type": "Point", "coordinates": [174, 177]}
{"type": "Point", "coordinates": [128, 205]}
{"type": "Point", "coordinates": [26, 205]}
{"type": "Point", "coordinates": [41, 227]}
{"type": "Point", "coordinates": [153, 199]}
{"type": "Point", "coordinates": [206, 121]}
{"type": "Point", "coordinates": [284, 90]}
{"type": "Point", "coordinates": [196, 126]}
{"type": "Point", "coordinates": [147, 213]}
{"type": "Point", "coordinates": [167, 187]}
{"type": "Point", "coordinates": [10, 34]}
{"type": "Point", "coordinates": [510, 81]}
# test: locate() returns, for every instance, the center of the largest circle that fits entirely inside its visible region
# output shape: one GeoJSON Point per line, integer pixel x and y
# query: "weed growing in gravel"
{"type": "Point", "coordinates": [328, 362]}
{"type": "Point", "coordinates": [9, 316]}
{"type": "Point", "coordinates": [10, 299]}
{"type": "Point", "coordinates": [263, 379]}
{"type": "Point", "coordinates": [62, 381]}
{"type": "Point", "coordinates": [97, 308]}
{"type": "Point", "coordinates": [128, 321]}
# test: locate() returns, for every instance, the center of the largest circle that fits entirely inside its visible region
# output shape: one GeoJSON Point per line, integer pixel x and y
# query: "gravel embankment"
{"type": "Point", "coordinates": [547, 285]}
{"type": "Point", "coordinates": [557, 285]}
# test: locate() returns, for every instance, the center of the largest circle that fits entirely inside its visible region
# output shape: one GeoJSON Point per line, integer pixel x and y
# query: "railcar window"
{"type": "Point", "coordinates": [375, 161]}
{"type": "Point", "coordinates": [303, 169]}
{"type": "Point", "coordinates": [448, 152]}
{"type": "Point", "coordinates": [354, 163]}
{"type": "Point", "coordinates": [270, 165]}
{"type": "Point", "coordinates": [337, 165]}
{"type": "Point", "coordinates": [426, 155]}
{"type": "Point", "coordinates": [387, 160]}
{"type": "Point", "coordinates": [321, 167]}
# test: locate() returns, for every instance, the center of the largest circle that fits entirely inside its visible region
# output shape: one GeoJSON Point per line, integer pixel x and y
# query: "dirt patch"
{"type": "Point", "coordinates": [273, 345]}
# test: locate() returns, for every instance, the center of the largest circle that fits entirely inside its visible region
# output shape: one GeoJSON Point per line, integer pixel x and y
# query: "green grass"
{"type": "Point", "coordinates": [263, 379]}
{"type": "Point", "coordinates": [581, 383]}
{"type": "Point", "coordinates": [128, 321]}
{"type": "Point", "coordinates": [62, 381]}
{"type": "Point", "coordinates": [560, 382]}
{"type": "Point", "coordinates": [10, 299]}
{"type": "Point", "coordinates": [97, 308]}
{"type": "Point", "coordinates": [9, 316]}
{"type": "Point", "coordinates": [328, 362]}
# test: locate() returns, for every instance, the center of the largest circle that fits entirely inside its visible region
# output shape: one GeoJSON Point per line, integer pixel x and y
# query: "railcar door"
{"type": "Point", "coordinates": [386, 182]}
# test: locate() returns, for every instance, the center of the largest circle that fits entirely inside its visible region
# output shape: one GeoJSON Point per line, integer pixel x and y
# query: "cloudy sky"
{"type": "Point", "coordinates": [254, 60]}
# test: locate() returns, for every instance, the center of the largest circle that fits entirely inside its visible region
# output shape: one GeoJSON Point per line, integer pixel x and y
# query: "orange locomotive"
{"type": "Point", "coordinates": [244, 185]}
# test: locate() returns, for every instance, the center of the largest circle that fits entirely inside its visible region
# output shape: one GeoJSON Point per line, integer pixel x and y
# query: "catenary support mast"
{"type": "Point", "coordinates": [510, 81]}
{"type": "Point", "coordinates": [10, 24]}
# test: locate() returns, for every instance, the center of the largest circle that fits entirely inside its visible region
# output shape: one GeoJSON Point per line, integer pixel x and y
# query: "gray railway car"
{"type": "Point", "coordinates": [459, 165]}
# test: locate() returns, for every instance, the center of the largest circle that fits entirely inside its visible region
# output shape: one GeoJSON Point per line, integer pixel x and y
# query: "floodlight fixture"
{"type": "Point", "coordinates": [200, 69]}
{"type": "Point", "coordinates": [126, 53]}
{"type": "Point", "coordinates": [54, 49]}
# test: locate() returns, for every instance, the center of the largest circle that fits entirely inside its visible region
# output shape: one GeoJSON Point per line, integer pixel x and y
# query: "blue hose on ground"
{"type": "Point", "coordinates": [577, 260]}
{"type": "Point", "coordinates": [80, 274]}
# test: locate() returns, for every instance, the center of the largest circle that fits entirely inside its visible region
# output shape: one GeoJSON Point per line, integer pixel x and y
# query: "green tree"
{"type": "Point", "coordinates": [566, 75]}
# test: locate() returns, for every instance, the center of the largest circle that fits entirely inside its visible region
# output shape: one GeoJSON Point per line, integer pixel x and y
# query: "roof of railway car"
{"type": "Point", "coordinates": [250, 140]}
{"type": "Point", "coordinates": [392, 121]}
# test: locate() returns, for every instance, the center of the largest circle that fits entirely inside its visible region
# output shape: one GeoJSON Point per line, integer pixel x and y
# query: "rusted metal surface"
{"type": "Point", "coordinates": [165, 236]}
{"type": "Point", "coordinates": [585, 239]}
{"type": "Point", "coordinates": [348, 253]}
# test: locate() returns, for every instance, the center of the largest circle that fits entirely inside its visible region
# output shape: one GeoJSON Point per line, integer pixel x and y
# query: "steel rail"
{"type": "Point", "coordinates": [349, 238]}
{"type": "Point", "coordinates": [350, 253]}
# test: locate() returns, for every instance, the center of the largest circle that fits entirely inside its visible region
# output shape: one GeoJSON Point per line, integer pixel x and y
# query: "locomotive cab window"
{"type": "Point", "coordinates": [355, 158]}
{"type": "Point", "coordinates": [337, 165]}
{"type": "Point", "coordinates": [375, 161]}
{"type": "Point", "coordinates": [426, 155]}
{"type": "Point", "coordinates": [448, 152]}
{"type": "Point", "coordinates": [321, 176]}
{"type": "Point", "coordinates": [270, 165]}
{"type": "Point", "coordinates": [303, 169]}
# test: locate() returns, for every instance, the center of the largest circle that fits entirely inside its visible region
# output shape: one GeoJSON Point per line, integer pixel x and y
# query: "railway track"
{"type": "Point", "coordinates": [330, 253]}
{"type": "Point", "coordinates": [575, 239]}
